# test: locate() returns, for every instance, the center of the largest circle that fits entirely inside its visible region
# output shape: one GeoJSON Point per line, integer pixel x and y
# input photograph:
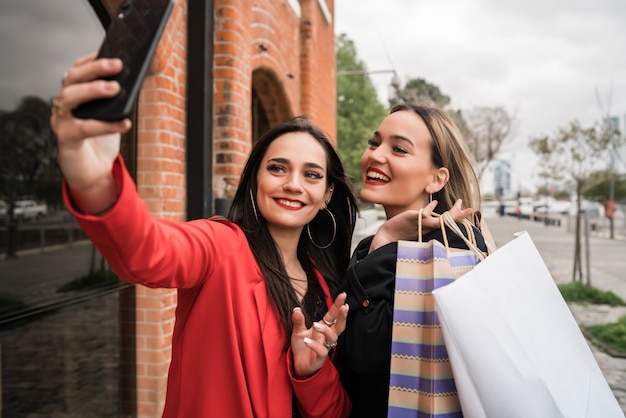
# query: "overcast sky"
{"type": "Point", "coordinates": [548, 61]}
{"type": "Point", "coordinates": [39, 41]}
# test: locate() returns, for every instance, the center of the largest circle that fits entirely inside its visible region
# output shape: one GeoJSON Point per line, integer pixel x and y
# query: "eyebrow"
{"type": "Point", "coordinates": [396, 138]}
{"type": "Point", "coordinates": [286, 161]}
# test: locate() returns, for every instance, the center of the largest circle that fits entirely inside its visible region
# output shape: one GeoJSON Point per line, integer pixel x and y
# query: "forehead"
{"type": "Point", "coordinates": [297, 148]}
{"type": "Point", "coordinates": [405, 123]}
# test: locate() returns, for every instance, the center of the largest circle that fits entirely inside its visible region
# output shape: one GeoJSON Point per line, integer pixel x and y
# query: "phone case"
{"type": "Point", "coordinates": [132, 36]}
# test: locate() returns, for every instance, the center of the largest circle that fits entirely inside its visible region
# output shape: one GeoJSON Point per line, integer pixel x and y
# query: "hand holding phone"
{"type": "Point", "coordinates": [132, 36]}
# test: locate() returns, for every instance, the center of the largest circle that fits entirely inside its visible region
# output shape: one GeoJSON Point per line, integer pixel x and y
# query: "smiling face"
{"type": "Point", "coordinates": [397, 168]}
{"type": "Point", "coordinates": [292, 182]}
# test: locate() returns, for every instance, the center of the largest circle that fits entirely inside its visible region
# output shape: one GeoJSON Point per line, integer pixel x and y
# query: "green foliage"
{"type": "Point", "coordinates": [579, 292]}
{"type": "Point", "coordinates": [96, 280]}
{"type": "Point", "coordinates": [612, 335]}
{"type": "Point", "coordinates": [420, 91]}
{"type": "Point", "coordinates": [598, 184]}
{"type": "Point", "coordinates": [358, 109]}
{"type": "Point", "coordinates": [10, 304]}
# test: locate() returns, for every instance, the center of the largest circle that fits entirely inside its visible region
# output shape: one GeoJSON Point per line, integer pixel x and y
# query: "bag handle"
{"type": "Point", "coordinates": [447, 220]}
{"type": "Point", "coordinates": [419, 225]}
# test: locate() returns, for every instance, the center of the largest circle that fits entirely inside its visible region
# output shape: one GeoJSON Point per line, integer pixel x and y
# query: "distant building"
{"type": "Point", "coordinates": [496, 179]}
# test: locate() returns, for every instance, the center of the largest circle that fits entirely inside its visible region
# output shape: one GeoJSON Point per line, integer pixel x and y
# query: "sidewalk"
{"type": "Point", "coordinates": [607, 269]}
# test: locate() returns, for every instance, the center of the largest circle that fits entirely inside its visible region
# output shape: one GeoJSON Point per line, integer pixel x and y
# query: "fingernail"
{"type": "Point", "coordinates": [307, 340]}
{"type": "Point", "coordinates": [347, 308]}
{"type": "Point", "coordinates": [297, 308]}
{"type": "Point", "coordinates": [317, 326]}
{"type": "Point", "coordinates": [111, 86]}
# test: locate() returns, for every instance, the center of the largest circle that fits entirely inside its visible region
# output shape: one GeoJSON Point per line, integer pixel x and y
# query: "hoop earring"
{"type": "Point", "coordinates": [253, 206]}
{"type": "Point", "coordinates": [321, 247]}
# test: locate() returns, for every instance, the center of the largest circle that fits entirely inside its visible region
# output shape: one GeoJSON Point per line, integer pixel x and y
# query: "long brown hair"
{"type": "Point", "coordinates": [332, 261]}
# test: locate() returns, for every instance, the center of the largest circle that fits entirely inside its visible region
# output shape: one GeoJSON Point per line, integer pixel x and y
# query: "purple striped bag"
{"type": "Point", "coordinates": [421, 382]}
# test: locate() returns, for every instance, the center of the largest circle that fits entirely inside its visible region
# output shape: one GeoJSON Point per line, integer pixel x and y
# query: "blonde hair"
{"type": "Point", "coordinates": [450, 151]}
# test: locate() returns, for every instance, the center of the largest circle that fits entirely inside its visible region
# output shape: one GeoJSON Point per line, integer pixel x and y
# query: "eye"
{"type": "Point", "coordinates": [276, 168]}
{"type": "Point", "coordinates": [313, 175]}
{"type": "Point", "coordinates": [372, 143]}
{"type": "Point", "coordinates": [401, 150]}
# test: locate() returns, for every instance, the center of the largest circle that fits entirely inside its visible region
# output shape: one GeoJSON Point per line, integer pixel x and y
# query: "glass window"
{"type": "Point", "coordinates": [61, 341]}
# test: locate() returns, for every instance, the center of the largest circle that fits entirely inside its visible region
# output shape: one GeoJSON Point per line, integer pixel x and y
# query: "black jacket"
{"type": "Point", "coordinates": [366, 342]}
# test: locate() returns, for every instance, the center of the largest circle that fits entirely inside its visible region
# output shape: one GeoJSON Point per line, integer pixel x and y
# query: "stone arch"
{"type": "Point", "coordinates": [270, 105]}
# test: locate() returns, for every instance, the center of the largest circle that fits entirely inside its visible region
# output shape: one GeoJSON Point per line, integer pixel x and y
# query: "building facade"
{"type": "Point", "coordinates": [224, 72]}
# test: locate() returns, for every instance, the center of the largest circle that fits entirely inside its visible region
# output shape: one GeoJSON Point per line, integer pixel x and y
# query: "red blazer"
{"type": "Point", "coordinates": [227, 348]}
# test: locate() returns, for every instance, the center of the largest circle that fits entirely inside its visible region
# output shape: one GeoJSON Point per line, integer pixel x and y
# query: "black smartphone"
{"type": "Point", "coordinates": [133, 36]}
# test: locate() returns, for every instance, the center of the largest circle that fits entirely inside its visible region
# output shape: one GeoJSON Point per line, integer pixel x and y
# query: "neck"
{"type": "Point", "coordinates": [287, 243]}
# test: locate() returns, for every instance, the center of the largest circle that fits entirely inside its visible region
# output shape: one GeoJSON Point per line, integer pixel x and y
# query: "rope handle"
{"type": "Point", "coordinates": [447, 220]}
{"type": "Point", "coordinates": [419, 225]}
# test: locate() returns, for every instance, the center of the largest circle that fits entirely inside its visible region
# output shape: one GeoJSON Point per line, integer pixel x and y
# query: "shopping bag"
{"type": "Point", "coordinates": [515, 348]}
{"type": "Point", "coordinates": [421, 381]}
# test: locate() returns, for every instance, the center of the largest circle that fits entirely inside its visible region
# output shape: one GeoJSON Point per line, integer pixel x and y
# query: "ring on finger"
{"type": "Point", "coordinates": [329, 323]}
{"type": "Point", "coordinates": [59, 109]}
{"type": "Point", "coordinates": [330, 346]}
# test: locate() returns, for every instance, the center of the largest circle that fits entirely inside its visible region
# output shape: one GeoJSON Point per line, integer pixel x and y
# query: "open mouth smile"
{"type": "Point", "coordinates": [377, 176]}
{"type": "Point", "coordinates": [290, 204]}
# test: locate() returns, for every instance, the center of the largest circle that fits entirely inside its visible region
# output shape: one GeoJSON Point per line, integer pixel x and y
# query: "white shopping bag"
{"type": "Point", "coordinates": [515, 348]}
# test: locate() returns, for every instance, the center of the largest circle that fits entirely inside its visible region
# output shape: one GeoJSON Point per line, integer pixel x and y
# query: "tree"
{"type": "Point", "coordinates": [597, 186]}
{"type": "Point", "coordinates": [486, 130]}
{"type": "Point", "coordinates": [26, 144]}
{"type": "Point", "coordinates": [358, 109]}
{"type": "Point", "coordinates": [572, 153]}
{"type": "Point", "coordinates": [422, 92]}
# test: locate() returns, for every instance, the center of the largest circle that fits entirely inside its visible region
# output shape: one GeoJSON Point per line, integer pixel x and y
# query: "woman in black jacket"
{"type": "Point", "coordinates": [416, 160]}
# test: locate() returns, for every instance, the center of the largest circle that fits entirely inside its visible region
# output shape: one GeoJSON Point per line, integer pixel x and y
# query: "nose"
{"type": "Point", "coordinates": [377, 155]}
{"type": "Point", "coordinates": [292, 184]}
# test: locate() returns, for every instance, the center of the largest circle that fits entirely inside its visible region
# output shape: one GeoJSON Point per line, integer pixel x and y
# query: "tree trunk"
{"type": "Point", "coordinates": [577, 274]}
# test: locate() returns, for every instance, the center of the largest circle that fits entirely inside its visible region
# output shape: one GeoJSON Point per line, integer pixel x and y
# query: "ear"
{"type": "Point", "coordinates": [440, 178]}
{"type": "Point", "coordinates": [329, 194]}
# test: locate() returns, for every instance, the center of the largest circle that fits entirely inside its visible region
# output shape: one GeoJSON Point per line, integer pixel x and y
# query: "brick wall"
{"type": "Point", "coordinates": [292, 60]}
{"type": "Point", "coordinates": [161, 184]}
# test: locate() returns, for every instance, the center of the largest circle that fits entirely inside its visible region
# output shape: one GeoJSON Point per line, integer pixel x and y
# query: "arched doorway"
{"type": "Point", "coordinates": [270, 105]}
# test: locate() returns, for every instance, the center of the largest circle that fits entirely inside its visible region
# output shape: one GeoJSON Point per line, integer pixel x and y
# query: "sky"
{"type": "Point", "coordinates": [547, 62]}
{"type": "Point", "coordinates": [39, 41]}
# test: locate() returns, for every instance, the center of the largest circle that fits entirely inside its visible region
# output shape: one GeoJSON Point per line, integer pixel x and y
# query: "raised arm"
{"type": "Point", "coordinates": [88, 148]}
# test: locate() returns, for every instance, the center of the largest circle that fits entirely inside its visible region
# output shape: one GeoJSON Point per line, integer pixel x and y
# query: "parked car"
{"type": "Point", "coordinates": [29, 209]}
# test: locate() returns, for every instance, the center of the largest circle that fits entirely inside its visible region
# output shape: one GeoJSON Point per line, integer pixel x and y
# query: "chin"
{"type": "Point", "coordinates": [370, 197]}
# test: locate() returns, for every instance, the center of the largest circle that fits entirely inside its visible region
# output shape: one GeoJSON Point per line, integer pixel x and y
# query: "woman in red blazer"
{"type": "Point", "coordinates": [256, 324]}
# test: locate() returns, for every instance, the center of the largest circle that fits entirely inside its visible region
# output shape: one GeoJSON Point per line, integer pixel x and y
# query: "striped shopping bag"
{"type": "Point", "coordinates": [421, 381]}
